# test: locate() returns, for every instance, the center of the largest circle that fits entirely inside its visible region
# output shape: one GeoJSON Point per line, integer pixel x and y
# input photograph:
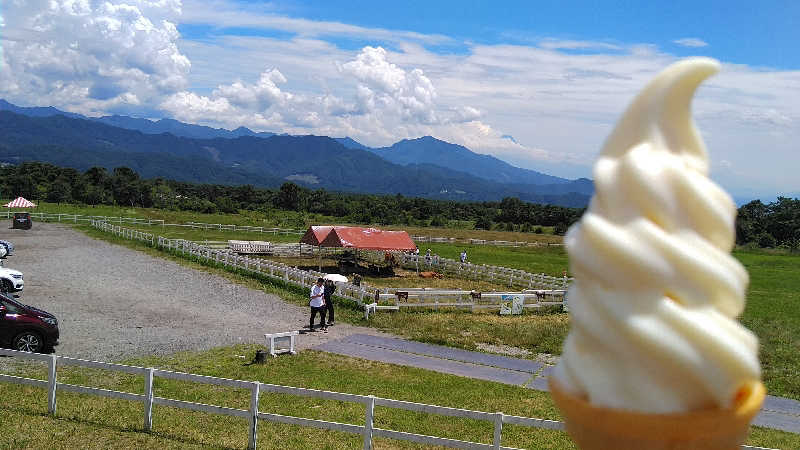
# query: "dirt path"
{"type": "Point", "coordinates": [113, 302]}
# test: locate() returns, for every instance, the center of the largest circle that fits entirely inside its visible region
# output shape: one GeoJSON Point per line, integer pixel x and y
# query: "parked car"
{"type": "Point", "coordinates": [11, 280]}
{"type": "Point", "coordinates": [26, 328]}
{"type": "Point", "coordinates": [8, 246]}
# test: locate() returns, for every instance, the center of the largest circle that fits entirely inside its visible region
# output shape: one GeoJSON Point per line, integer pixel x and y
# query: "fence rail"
{"type": "Point", "coordinates": [75, 218]}
{"type": "Point", "coordinates": [496, 274]}
{"type": "Point", "coordinates": [286, 273]}
{"type": "Point", "coordinates": [367, 430]}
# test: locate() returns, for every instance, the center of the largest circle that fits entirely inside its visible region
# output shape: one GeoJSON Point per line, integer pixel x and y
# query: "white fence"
{"type": "Point", "coordinates": [443, 298]}
{"type": "Point", "coordinates": [253, 415]}
{"type": "Point", "coordinates": [75, 218]}
{"type": "Point", "coordinates": [495, 274]}
{"type": "Point", "coordinates": [496, 243]}
{"type": "Point", "coordinates": [291, 275]}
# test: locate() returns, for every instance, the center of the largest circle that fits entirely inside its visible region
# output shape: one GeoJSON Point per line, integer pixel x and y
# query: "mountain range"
{"type": "Point", "coordinates": [167, 148]}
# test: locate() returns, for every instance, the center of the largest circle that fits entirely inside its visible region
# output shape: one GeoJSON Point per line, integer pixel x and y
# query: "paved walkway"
{"type": "Point", "coordinates": [778, 413]}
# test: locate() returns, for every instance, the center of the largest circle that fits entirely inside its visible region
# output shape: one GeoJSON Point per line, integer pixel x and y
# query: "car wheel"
{"type": "Point", "coordinates": [28, 341]}
{"type": "Point", "coordinates": [6, 286]}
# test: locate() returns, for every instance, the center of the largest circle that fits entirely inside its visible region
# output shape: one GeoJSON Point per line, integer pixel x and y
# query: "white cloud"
{"type": "Point", "coordinates": [384, 85]}
{"type": "Point", "coordinates": [691, 42]}
{"type": "Point", "coordinates": [91, 56]}
{"type": "Point", "coordinates": [556, 44]}
{"type": "Point", "coordinates": [228, 14]}
{"type": "Point", "coordinates": [559, 104]}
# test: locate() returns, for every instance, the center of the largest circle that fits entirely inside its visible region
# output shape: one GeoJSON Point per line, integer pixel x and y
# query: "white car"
{"type": "Point", "coordinates": [11, 280]}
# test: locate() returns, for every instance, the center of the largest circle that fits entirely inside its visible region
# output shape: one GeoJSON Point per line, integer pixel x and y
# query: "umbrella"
{"type": "Point", "coordinates": [20, 202]}
{"type": "Point", "coordinates": [336, 278]}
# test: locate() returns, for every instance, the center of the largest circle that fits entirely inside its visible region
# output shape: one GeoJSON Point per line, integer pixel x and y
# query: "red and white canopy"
{"type": "Point", "coordinates": [20, 202]}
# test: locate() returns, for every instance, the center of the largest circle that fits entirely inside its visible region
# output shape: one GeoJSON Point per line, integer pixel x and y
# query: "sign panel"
{"type": "Point", "coordinates": [511, 304]}
{"type": "Point", "coordinates": [505, 305]}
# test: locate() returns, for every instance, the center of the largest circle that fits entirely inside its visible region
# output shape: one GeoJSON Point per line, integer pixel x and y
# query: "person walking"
{"type": "Point", "coordinates": [330, 288]}
{"type": "Point", "coordinates": [317, 303]}
{"type": "Point", "coordinates": [463, 256]}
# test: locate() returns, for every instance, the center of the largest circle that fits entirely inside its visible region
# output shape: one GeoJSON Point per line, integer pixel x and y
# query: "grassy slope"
{"type": "Point", "coordinates": [92, 422]}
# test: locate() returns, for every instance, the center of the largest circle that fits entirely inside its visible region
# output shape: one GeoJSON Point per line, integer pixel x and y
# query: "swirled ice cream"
{"type": "Point", "coordinates": [656, 290]}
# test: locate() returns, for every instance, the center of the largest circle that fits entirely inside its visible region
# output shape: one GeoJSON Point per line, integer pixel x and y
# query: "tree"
{"type": "Point", "coordinates": [483, 223]}
{"type": "Point", "coordinates": [59, 192]}
{"type": "Point", "coordinates": [439, 221]}
{"type": "Point", "coordinates": [560, 229]}
{"type": "Point", "coordinates": [125, 186]}
{"type": "Point", "coordinates": [291, 197]}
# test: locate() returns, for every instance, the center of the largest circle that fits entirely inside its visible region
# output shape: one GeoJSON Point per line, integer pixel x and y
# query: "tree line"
{"type": "Point", "coordinates": [123, 186]}
{"type": "Point", "coordinates": [770, 225]}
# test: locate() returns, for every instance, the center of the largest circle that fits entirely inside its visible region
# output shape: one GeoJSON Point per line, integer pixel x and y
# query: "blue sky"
{"type": "Point", "coordinates": [743, 32]}
{"type": "Point", "coordinates": [538, 84]}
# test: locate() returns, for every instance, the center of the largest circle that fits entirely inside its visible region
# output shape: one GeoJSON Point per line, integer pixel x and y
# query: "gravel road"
{"type": "Point", "coordinates": [113, 302]}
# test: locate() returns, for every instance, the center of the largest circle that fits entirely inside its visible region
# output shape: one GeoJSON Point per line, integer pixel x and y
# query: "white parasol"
{"type": "Point", "coordinates": [336, 278]}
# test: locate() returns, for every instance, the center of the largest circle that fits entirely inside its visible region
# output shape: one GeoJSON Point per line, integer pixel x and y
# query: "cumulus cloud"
{"type": "Point", "coordinates": [558, 98]}
{"type": "Point", "coordinates": [408, 93]}
{"type": "Point", "coordinates": [91, 56]}
{"type": "Point", "coordinates": [691, 42]}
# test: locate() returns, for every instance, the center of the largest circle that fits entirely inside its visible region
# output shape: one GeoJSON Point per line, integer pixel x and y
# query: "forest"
{"type": "Point", "coordinates": [123, 186]}
{"type": "Point", "coordinates": [772, 225]}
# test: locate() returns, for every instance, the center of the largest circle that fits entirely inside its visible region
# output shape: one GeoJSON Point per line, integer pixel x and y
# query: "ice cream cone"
{"type": "Point", "coordinates": [593, 427]}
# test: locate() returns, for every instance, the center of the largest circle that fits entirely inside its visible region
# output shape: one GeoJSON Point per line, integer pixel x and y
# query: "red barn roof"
{"type": "Point", "coordinates": [368, 239]}
{"type": "Point", "coordinates": [316, 234]}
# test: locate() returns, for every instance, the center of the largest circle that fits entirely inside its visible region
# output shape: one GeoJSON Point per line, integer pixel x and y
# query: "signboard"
{"type": "Point", "coordinates": [511, 304]}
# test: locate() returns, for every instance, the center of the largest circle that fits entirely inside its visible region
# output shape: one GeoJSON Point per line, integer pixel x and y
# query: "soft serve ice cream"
{"type": "Point", "coordinates": [656, 290]}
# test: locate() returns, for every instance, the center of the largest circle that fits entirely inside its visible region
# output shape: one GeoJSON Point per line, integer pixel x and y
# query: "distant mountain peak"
{"type": "Point", "coordinates": [430, 150]}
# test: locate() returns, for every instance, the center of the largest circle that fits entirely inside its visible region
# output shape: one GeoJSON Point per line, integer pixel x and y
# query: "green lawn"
{"type": "Point", "coordinates": [272, 218]}
{"type": "Point", "coordinates": [551, 260]}
{"type": "Point", "coordinates": [198, 235]}
{"type": "Point", "coordinates": [93, 422]}
{"type": "Point", "coordinates": [771, 311]}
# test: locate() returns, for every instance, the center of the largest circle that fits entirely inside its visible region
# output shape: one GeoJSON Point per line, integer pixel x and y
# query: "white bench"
{"type": "Point", "coordinates": [373, 307]}
{"type": "Point", "coordinates": [275, 338]}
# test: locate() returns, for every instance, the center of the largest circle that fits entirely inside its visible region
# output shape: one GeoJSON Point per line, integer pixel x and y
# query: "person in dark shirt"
{"type": "Point", "coordinates": [330, 288]}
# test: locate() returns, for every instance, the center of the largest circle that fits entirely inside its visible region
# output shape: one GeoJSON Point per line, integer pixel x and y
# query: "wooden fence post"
{"type": "Point", "coordinates": [148, 399]}
{"type": "Point", "coordinates": [51, 384]}
{"type": "Point", "coordinates": [368, 423]}
{"type": "Point", "coordinates": [254, 394]}
{"type": "Point", "coordinates": [498, 429]}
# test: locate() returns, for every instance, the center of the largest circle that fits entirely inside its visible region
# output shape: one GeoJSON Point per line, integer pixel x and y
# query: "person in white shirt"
{"type": "Point", "coordinates": [463, 257]}
{"type": "Point", "coordinates": [317, 303]}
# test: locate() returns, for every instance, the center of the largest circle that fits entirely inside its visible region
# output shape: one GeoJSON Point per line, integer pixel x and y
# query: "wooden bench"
{"type": "Point", "coordinates": [276, 338]}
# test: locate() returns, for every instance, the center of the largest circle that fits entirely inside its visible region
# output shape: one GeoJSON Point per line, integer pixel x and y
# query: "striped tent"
{"type": "Point", "coordinates": [20, 202]}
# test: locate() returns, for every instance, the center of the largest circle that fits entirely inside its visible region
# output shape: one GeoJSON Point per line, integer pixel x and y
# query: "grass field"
{"type": "Point", "coordinates": [92, 422]}
{"type": "Point", "coordinates": [551, 260]}
{"type": "Point", "coordinates": [287, 219]}
{"type": "Point", "coordinates": [272, 218]}
{"type": "Point", "coordinates": [771, 312]}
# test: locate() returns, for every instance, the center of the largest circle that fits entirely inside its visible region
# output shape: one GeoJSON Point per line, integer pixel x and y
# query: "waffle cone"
{"type": "Point", "coordinates": [593, 427]}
